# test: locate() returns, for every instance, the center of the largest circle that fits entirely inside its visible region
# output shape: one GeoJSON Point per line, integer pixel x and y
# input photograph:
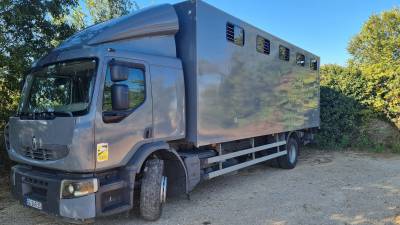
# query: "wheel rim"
{"type": "Point", "coordinates": [292, 154]}
{"type": "Point", "coordinates": [163, 191]}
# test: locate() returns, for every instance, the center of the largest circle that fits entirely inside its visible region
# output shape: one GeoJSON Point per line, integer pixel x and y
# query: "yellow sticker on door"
{"type": "Point", "coordinates": [102, 152]}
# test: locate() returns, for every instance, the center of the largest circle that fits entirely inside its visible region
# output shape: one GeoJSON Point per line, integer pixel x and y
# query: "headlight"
{"type": "Point", "coordinates": [78, 188]}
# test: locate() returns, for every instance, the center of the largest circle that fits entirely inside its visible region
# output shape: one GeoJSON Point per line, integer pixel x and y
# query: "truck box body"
{"type": "Point", "coordinates": [235, 92]}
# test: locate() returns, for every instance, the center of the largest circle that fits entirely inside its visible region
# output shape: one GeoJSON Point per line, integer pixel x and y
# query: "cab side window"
{"type": "Point", "coordinates": [136, 84]}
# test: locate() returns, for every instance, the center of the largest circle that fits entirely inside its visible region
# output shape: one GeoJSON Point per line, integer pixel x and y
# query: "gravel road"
{"type": "Point", "coordinates": [325, 188]}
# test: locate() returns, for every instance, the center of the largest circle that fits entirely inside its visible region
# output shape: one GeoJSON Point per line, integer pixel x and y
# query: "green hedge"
{"type": "Point", "coordinates": [360, 103]}
{"type": "Point", "coordinates": [340, 119]}
{"type": "Point", "coordinates": [347, 120]}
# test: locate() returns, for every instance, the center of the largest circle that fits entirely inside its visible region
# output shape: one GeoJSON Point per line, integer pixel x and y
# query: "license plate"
{"type": "Point", "coordinates": [33, 203]}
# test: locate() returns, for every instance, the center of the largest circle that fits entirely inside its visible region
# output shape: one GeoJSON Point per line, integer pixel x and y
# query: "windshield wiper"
{"type": "Point", "coordinates": [63, 113]}
{"type": "Point", "coordinates": [45, 115]}
{"type": "Point", "coordinates": [36, 115]}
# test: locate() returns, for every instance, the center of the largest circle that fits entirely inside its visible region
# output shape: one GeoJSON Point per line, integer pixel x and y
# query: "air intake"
{"type": "Point", "coordinates": [45, 153]}
{"type": "Point", "coordinates": [263, 45]}
{"type": "Point", "coordinates": [284, 53]}
{"type": "Point", "coordinates": [230, 32]}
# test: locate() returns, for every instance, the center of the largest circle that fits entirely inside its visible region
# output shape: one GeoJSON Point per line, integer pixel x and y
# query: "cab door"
{"type": "Point", "coordinates": [119, 131]}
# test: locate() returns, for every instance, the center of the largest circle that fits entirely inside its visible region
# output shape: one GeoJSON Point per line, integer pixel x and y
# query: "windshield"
{"type": "Point", "coordinates": [62, 89]}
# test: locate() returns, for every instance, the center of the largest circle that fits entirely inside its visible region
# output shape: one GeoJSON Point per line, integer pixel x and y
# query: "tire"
{"type": "Point", "coordinates": [151, 202]}
{"type": "Point", "coordinates": [289, 160]}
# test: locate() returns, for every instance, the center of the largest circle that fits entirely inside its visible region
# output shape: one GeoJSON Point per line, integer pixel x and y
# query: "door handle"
{"type": "Point", "coordinates": [148, 133]}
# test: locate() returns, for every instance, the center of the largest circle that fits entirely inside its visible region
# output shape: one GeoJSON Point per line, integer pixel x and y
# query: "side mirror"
{"type": "Point", "coordinates": [119, 73]}
{"type": "Point", "coordinates": [120, 97]}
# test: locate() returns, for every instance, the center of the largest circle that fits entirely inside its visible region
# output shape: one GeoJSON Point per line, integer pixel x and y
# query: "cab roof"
{"type": "Point", "coordinates": [152, 21]}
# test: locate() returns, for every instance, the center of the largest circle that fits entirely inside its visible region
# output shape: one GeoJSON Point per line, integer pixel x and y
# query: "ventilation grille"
{"type": "Point", "coordinates": [263, 45]}
{"type": "Point", "coordinates": [314, 64]}
{"type": "Point", "coordinates": [230, 32]}
{"type": "Point", "coordinates": [35, 181]}
{"type": "Point", "coordinates": [266, 46]}
{"type": "Point", "coordinates": [284, 53]}
{"type": "Point", "coordinates": [49, 153]}
{"type": "Point", "coordinates": [37, 187]}
{"type": "Point", "coordinates": [300, 59]}
{"type": "Point", "coordinates": [235, 34]}
{"type": "Point", "coordinates": [39, 154]}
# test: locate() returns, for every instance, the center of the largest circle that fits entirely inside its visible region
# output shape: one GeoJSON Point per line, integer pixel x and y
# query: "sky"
{"type": "Point", "coordinates": [323, 27]}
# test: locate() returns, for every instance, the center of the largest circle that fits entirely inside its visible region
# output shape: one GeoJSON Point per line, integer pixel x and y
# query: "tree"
{"type": "Point", "coordinates": [341, 110]}
{"type": "Point", "coordinates": [376, 52]}
{"type": "Point", "coordinates": [345, 80]}
{"type": "Point", "coordinates": [30, 29]}
{"type": "Point", "coordinates": [102, 10]}
{"type": "Point", "coordinates": [78, 18]}
{"type": "Point", "coordinates": [27, 33]}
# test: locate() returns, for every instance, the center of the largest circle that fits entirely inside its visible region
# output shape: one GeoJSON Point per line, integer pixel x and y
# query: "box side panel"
{"type": "Point", "coordinates": [186, 51]}
{"type": "Point", "coordinates": [243, 93]}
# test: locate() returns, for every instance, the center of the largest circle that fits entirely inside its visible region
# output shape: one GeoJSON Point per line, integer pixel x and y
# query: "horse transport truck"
{"type": "Point", "coordinates": [146, 106]}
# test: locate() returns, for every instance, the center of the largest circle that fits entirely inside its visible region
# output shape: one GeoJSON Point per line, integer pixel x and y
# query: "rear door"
{"type": "Point", "coordinates": [117, 139]}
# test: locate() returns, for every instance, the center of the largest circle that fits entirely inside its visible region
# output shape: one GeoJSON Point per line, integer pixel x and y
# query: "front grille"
{"type": "Point", "coordinates": [35, 181]}
{"type": "Point", "coordinates": [39, 154]}
{"type": "Point", "coordinates": [37, 187]}
{"type": "Point", "coordinates": [45, 152]}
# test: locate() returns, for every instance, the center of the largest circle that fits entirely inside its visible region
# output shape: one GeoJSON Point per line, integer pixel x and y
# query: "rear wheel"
{"type": "Point", "coordinates": [153, 190]}
{"type": "Point", "coordinates": [289, 160]}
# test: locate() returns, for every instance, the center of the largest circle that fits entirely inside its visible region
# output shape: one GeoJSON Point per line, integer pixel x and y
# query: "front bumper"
{"type": "Point", "coordinates": [43, 187]}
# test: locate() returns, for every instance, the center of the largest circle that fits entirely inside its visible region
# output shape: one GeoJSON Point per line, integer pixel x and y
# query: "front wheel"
{"type": "Point", "coordinates": [153, 190]}
{"type": "Point", "coordinates": [289, 160]}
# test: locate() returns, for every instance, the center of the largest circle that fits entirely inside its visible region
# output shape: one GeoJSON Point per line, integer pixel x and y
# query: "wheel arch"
{"type": "Point", "coordinates": [293, 134]}
{"type": "Point", "coordinates": [174, 169]}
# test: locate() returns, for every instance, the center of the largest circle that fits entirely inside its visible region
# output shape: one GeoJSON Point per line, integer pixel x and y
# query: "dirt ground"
{"type": "Point", "coordinates": [325, 188]}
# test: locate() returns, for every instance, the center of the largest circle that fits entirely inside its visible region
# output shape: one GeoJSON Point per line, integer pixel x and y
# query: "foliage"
{"type": "Point", "coordinates": [99, 11]}
{"type": "Point", "coordinates": [376, 53]}
{"type": "Point", "coordinates": [30, 29]}
{"type": "Point", "coordinates": [347, 119]}
{"type": "Point", "coordinates": [347, 81]}
{"type": "Point", "coordinates": [342, 113]}
{"type": "Point", "coordinates": [340, 119]}
{"type": "Point", "coordinates": [102, 10]}
{"type": "Point", "coordinates": [356, 98]}
{"type": "Point", "coordinates": [78, 18]}
{"type": "Point", "coordinates": [27, 33]}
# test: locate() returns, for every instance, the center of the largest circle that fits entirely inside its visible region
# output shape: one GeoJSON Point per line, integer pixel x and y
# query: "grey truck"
{"type": "Point", "coordinates": [148, 105]}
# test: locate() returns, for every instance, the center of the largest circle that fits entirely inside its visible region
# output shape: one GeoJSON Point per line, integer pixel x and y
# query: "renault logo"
{"type": "Point", "coordinates": [34, 143]}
